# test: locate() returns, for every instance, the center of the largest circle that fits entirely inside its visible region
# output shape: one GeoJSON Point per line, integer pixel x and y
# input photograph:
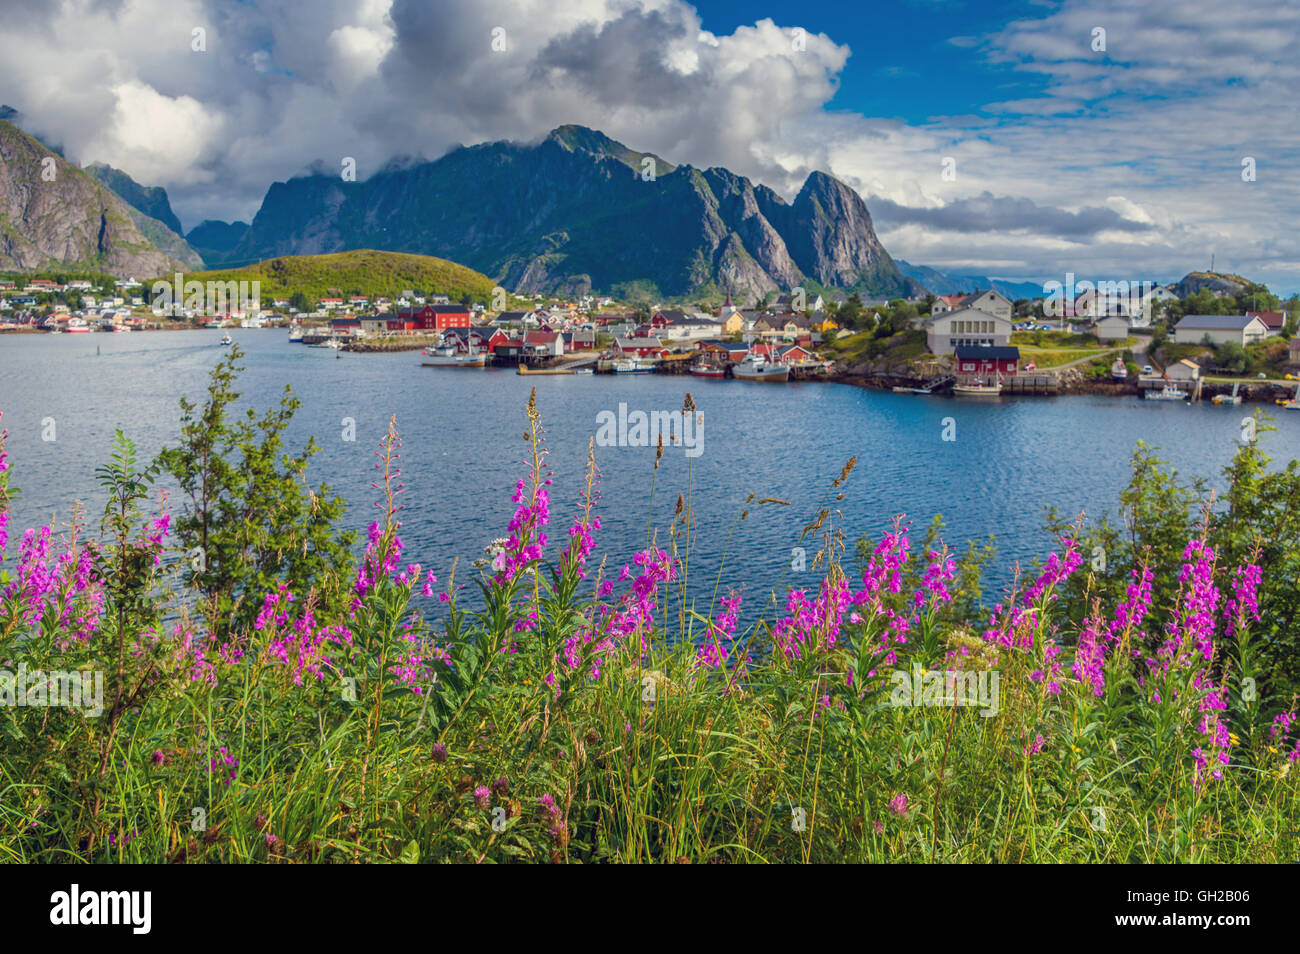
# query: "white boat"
{"type": "Point", "coordinates": [214, 323]}
{"type": "Point", "coordinates": [449, 357]}
{"type": "Point", "coordinates": [77, 326]}
{"type": "Point", "coordinates": [757, 368]}
{"type": "Point", "coordinates": [1166, 393]}
{"type": "Point", "coordinates": [295, 333]}
{"type": "Point", "coordinates": [1118, 370]}
{"type": "Point", "coordinates": [978, 388]}
{"type": "Point", "coordinates": [226, 340]}
{"type": "Point", "coordinates": [632, 366]}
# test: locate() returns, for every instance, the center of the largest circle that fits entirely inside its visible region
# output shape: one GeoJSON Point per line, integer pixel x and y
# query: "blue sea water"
{"type": "Point", "coordinates": [463, 447]}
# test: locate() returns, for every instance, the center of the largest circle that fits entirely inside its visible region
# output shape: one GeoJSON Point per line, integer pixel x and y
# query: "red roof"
{"type": "Point", "coordinates": [1271, 319]}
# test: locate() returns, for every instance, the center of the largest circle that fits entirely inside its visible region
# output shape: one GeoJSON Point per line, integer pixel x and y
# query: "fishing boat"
{"type": "Point", "coordinates": [77, 326]}
{"type": "Point", "coordinates": [448, 357]}
{"type": "Point", "coordinates": [978, 388]}
{"type": "Point", "coordinates": [632, 366]}
{"type": "Point", "coordinates": [214, 323]}
{"type": "Point", "coordinates": [295, 333]}
{"type": "Point", "coordinates": [757, 368]}
{"type": "Point", "coordinates": [708, 369]}
{"type": "Point", "coordinates": [1166, 393]}
{"type": "Point", "coordinates": [1119, 370]}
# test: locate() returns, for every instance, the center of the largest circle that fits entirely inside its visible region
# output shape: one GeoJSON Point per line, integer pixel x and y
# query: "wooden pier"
{"type": "Point", "coordinates": [1046, 384]}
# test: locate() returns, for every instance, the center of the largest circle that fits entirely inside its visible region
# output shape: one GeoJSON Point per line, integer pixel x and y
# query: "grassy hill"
{"type": "Point", "coordinates": [363, 272]}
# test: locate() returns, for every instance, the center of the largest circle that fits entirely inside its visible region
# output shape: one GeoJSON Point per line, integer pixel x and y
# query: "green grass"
{"type": "Point", "coordinates": [772, 757]}
{"type": "Point", "coordinates": [364, 272]}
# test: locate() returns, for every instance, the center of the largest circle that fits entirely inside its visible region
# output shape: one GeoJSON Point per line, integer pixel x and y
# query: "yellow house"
{"type": "Point", "coordinates": [733, 324]}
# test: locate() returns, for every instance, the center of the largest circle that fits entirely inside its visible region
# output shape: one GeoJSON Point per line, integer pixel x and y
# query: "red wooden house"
{"type": "Point", "coordinates": [640, 347]}
{"type": "Point", "coordinates": [441, 317]}
{"type": "Point", "coordinates": [986, 361]}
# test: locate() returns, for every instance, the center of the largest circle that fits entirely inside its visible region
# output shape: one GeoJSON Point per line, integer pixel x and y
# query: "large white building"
{"type": "Point", "coordinates": [1243, 329]}
{"type": "Point", "coordinates": [968, 327]}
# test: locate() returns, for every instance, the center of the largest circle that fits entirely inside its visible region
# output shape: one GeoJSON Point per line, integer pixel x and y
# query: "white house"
{"type": "Point", "coordinates": [991, 302]}
{"type": "Point", "coordinates": [1184, 371]}
{"type": "Point", "coordinates": [1110, 328]}
{"type": "Point", "coordinates": [968, 326]}
{"type": "Point", "coordinates": [1242, 329]}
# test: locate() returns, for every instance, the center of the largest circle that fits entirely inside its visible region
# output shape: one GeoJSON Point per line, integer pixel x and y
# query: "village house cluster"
{"type": "Point", "coordinates": [972, 332]}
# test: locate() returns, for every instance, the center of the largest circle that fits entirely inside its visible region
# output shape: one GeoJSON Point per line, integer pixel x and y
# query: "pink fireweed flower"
{"type": "Point", "coordinates": [939, 572]}
{"type": "Point", "coordinates": [63, 588]}
{"type": "Point", "coordinates": [1016, 628]}
{"type": "Point", "coordinates": [300, 645]}
{"type": "Point", "coordinates": [1244, 603]}
{"type": "Point", "coordinates": [713, 652]}
{"type": "Point", "coordinates": [1277, 733]}
{"type": "Point", "coordinates": [1090, 657]}
{"type": "Point", "coordinates": [813, 626]}
{"type": "Point", "coordinates": [632, 616]}
{"type": "Point", "coordinates": [1130, 613]}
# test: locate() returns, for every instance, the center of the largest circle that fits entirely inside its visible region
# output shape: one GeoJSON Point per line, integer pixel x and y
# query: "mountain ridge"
{"type": "Point", "coordinates": [579, 212]}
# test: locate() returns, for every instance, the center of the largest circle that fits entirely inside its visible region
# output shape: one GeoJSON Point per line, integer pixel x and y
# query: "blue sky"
{"type": "Point", "coordinates": [903, 63]}
{"type": "Point", "coordinates": [987, 138]}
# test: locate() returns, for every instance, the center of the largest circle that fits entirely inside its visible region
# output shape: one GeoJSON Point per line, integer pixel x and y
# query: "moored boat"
{"type": "Point", "coordinates": [1166, 393]}
{"type": "Point", "coordinates": [77, 326]}
{"type": "Point", "coordinates": [1119, 370]}
{"type": "Point", "coordinates": [632, 366]}
{"type": "Point", "coordinates": [450, 358]}
{"type": "Point", "coordinates": [978, 389]}
{"type": "Point", "coordinates": [708, 369]}
{"type": "Point", "coordinates": [757, 368]}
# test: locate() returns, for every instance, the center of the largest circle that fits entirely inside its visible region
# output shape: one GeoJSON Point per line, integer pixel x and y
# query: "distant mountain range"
{"type": "Point", "coordinates": [942, 283]}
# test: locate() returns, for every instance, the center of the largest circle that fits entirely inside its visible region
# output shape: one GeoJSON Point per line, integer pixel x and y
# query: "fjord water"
{"type": "Point", "coordinates": [463, 447]}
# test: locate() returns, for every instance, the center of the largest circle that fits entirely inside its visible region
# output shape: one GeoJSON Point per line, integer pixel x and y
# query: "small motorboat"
{"type": "Point", "coordinates": [226, 340]}
{"type": "Point", "coordinates": [1166, 393]}
{"type": "Point", "coordinates": [708, 369]}
{"type": "Point", "coordinates": [757, 368]}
